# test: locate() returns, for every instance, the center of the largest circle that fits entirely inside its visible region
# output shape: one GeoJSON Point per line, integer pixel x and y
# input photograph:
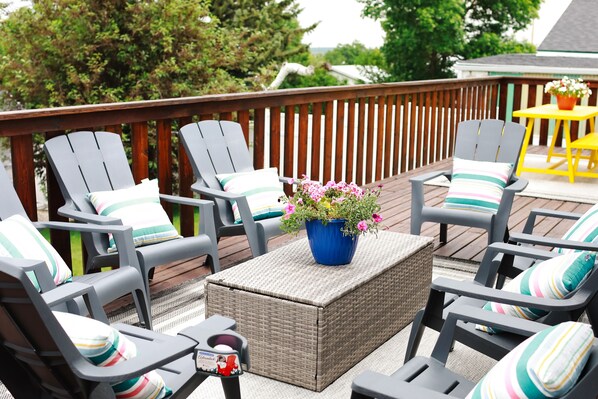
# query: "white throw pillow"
{"type": "Point", "coordinates": [20, 239]}
{"type": "Point", "coordinates": [261, 188]}
{"type": "Point", "coordinates": [477, 185]}
{"type": "Point", "coordinates": [105, 346]}
{"type": "Point", "coordinates": [139, 207]}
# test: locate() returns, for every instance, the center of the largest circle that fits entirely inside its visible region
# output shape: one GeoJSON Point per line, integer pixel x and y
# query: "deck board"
{"type": "Point", "coordinates": [467, 244]}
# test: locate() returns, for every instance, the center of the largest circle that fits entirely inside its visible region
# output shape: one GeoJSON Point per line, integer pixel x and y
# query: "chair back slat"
{"type": "Point", "coordinates": [236, 145]}
{"type": "Point", "coordinates": [90, 161]}
{"type": "Point", "coordinates": [115, 160]}
{"type": "Point", "coordinates": [10, 204]}
{"type": "Point", "coordinates": [510, 145]}
{"type": "Point", "coordinates": [467, 139]}
{"type": "Point", "coordinates": [489, 140]}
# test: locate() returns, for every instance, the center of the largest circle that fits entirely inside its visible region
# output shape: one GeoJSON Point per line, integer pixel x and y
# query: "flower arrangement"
{"type": "Point", "coordinates": [314, 201]}
{"type": "Point", "coordinates": [568, 87]}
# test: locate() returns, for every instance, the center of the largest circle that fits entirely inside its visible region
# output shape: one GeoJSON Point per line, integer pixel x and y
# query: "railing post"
{"type": "Point", "coordinates": [139, 148]}
{"type": "Point", "coordinates": [23, 172]}
{"type": "Point", "coordinates": [164, 133]}
{"type": "Point", "coordinates": [187, 213]}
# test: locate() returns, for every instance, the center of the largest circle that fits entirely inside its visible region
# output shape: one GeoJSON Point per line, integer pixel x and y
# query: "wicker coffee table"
{"type": "Point", "coordinates": [307, 324]}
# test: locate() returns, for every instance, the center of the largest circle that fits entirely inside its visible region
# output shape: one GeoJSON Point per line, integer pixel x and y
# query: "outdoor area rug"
{"type": "Point", "coordinates": [583, 190]}
{"type": "Point", "coordinates": [183, 305]}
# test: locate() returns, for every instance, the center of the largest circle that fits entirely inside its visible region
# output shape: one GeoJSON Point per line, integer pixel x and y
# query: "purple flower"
{"type": "Point", "coordinates": [377, 218]}
{"type": "Point", "coordinates": [362, 226]}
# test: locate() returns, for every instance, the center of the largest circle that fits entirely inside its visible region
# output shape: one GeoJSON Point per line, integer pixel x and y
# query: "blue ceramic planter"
{"type": "Point", "coordinates": [328, 244]}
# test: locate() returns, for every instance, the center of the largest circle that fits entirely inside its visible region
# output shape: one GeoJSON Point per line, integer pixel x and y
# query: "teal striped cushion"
{"type": "Point", "coordinates": [20, 239]}
{"type": "Point", "coordinates": [476, 185]}
{"type": "Point", "coordinates": [261, 188]}
{"type": "Point", "coordinates": [139, 207]}
{"type": "Point", "coordinates": [584, 230]}
{"type": "Point", "coordinates": [105, 346]}
{"type": "Point", "coordinates": [553, 278]}
{"type": "Point", "coordinates": [546, 365]}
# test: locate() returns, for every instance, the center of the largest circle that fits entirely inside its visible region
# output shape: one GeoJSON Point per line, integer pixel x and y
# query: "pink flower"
{"type": "Point", "coordinates": [377, 218]}
{"type": "Point", "coordinates": [289, 209]}
{"type": "Point", "coordinates": [362, 226]}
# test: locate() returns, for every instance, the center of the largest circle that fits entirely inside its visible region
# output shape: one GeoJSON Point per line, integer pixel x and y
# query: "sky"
{"type": "Point", "coordinates": [341, 23]}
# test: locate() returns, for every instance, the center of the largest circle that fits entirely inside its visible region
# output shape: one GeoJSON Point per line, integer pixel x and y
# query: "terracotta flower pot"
{"type": "Point", "coordinates": [565, 102]}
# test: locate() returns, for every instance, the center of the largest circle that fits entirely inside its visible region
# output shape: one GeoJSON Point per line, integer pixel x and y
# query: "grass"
{"type": "Point", "coordinates": [77, 244]}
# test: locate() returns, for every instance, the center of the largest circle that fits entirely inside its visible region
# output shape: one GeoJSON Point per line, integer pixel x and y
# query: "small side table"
{"type": "Point", "coordinates": [551, 111]}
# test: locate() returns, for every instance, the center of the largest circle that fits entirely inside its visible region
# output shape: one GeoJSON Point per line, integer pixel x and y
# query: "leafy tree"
{"type": "Point", "coordinates": [269, 28]}
{"type": "Point", "coordinates": [425, 37]}
{"type": "Point", "coordinates": [68, 52]}
{"type": "Point", "coordinates": [354, 54]}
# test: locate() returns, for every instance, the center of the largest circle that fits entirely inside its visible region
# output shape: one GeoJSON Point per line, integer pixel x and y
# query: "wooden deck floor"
{"type": "Point", "coordinates": [464, 243]}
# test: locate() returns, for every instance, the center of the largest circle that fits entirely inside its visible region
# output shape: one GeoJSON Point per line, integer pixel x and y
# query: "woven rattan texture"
{"type": "Point", "coordinates": [291, 273]}
{"type": "Point", "coordinates": [301, 342]}
{"type": "Point", "coordinates": [356, 324]}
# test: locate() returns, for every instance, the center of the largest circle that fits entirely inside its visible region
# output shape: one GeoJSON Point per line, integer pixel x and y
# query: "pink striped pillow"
{"type": "Point", "coordinates": [105, 346]}
{"type": "Point", "coordinates": [477, 185]}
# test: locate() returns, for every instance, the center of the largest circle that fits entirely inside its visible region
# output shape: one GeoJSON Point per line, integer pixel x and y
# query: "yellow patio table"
{"type": "Point", "coordinates": [551, 111]}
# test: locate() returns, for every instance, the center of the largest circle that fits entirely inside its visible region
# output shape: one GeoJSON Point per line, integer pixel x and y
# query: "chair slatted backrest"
{"type": "Point", "coordinates": [86, 162]}
{"type": "Point", "coordinates": [35, 347]}
{"type": "Point", "coordinates": [216, 147]}
{"type": "Point", "coordinates": [10, 204]}
{"type": "Point", "coordinates": [489, 140]}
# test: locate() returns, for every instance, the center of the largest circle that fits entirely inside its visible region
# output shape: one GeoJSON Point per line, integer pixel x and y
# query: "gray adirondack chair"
{"type": "Point", "coordinates": [448, 294]}
{"type": "Point", "coordinates": [428, 378]}
{"type": "Point", "coordinates": [514, 265]}
{"type": "Point", "coordinates": [110, 285]}
{"type": "Point", "coordinates": [216, 147]}
{"type": "Point", "coordinates": [40, 361]}
{"type": "Point", "coordinates": [86, 162]}
{"type": "Point", "coordinates": [488, 140]}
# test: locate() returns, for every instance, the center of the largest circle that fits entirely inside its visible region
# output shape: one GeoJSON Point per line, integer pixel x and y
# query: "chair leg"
{"type": "Point", "coordinates": [415, 336]}
{"type": "Point", "coordinates": [143, 306]}
{"type": "Point", "coordinates": [443, 233]}
{"type": "Point", "coordinates": [231, 387]}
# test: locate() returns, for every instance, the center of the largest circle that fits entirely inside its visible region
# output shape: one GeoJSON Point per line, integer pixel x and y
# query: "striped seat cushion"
{"type": "Point", "coordinates": [139, 207]}
{"type": "Point", "coordinates": [584, 230]}
{"type": "Point", "coordinates": [20, 239]}
{"type": "Point", "coordinates": [477, 185]}
{"type": "Point", "coordinates": [546, 365]}
{"type": "Point", "coordinates": [261, 188]}
{"type": "Point", "coordinates": [553, 278]}
{"type": "Point", "coordinates": [105, 346]}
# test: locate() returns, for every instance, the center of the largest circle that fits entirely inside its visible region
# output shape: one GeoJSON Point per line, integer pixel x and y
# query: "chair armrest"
{"type": "Point", "coordinates": [39, 268]}
{"type": "Point", "coordinates": [159, 351]}
{"type": "Point", "coordinates": [200, 203]}
{"type": "Point", "coordinates": [381, 386]}
{"type": "Point", "coordinates": [534, 213]}
{"type": "Point", "coordinates": [517, 185]}
{"type": "Point", "coordinates": [68, 291]}
{"type": "Point", "coordinates": [494, 258]}
{"type": "Point", "coordinates": [86, 217]}
{"type": "Point", "coordinates": [211, 193]}
{"type": "Point", "coordinates": [287, 180]}
{"type": "Point", "coordinates": [552, 242]}
{"type": "Point", "coordinates": [420, 179]}
{"type": "Point", "coordinates": [477, 291]}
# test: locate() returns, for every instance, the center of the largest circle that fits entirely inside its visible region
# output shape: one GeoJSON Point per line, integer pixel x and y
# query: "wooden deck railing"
{"type": "Point", "coordinates": [361, 133]}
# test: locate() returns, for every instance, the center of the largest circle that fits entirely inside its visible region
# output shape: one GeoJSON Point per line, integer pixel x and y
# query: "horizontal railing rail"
{"type": "Point", "coordinates": [360, 133]}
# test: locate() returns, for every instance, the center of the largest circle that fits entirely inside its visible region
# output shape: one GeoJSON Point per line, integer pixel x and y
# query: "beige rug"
{"type": "Point", "coordinates": [175, 310]}
{"type": "Point", "coordinates": [583, 190]}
